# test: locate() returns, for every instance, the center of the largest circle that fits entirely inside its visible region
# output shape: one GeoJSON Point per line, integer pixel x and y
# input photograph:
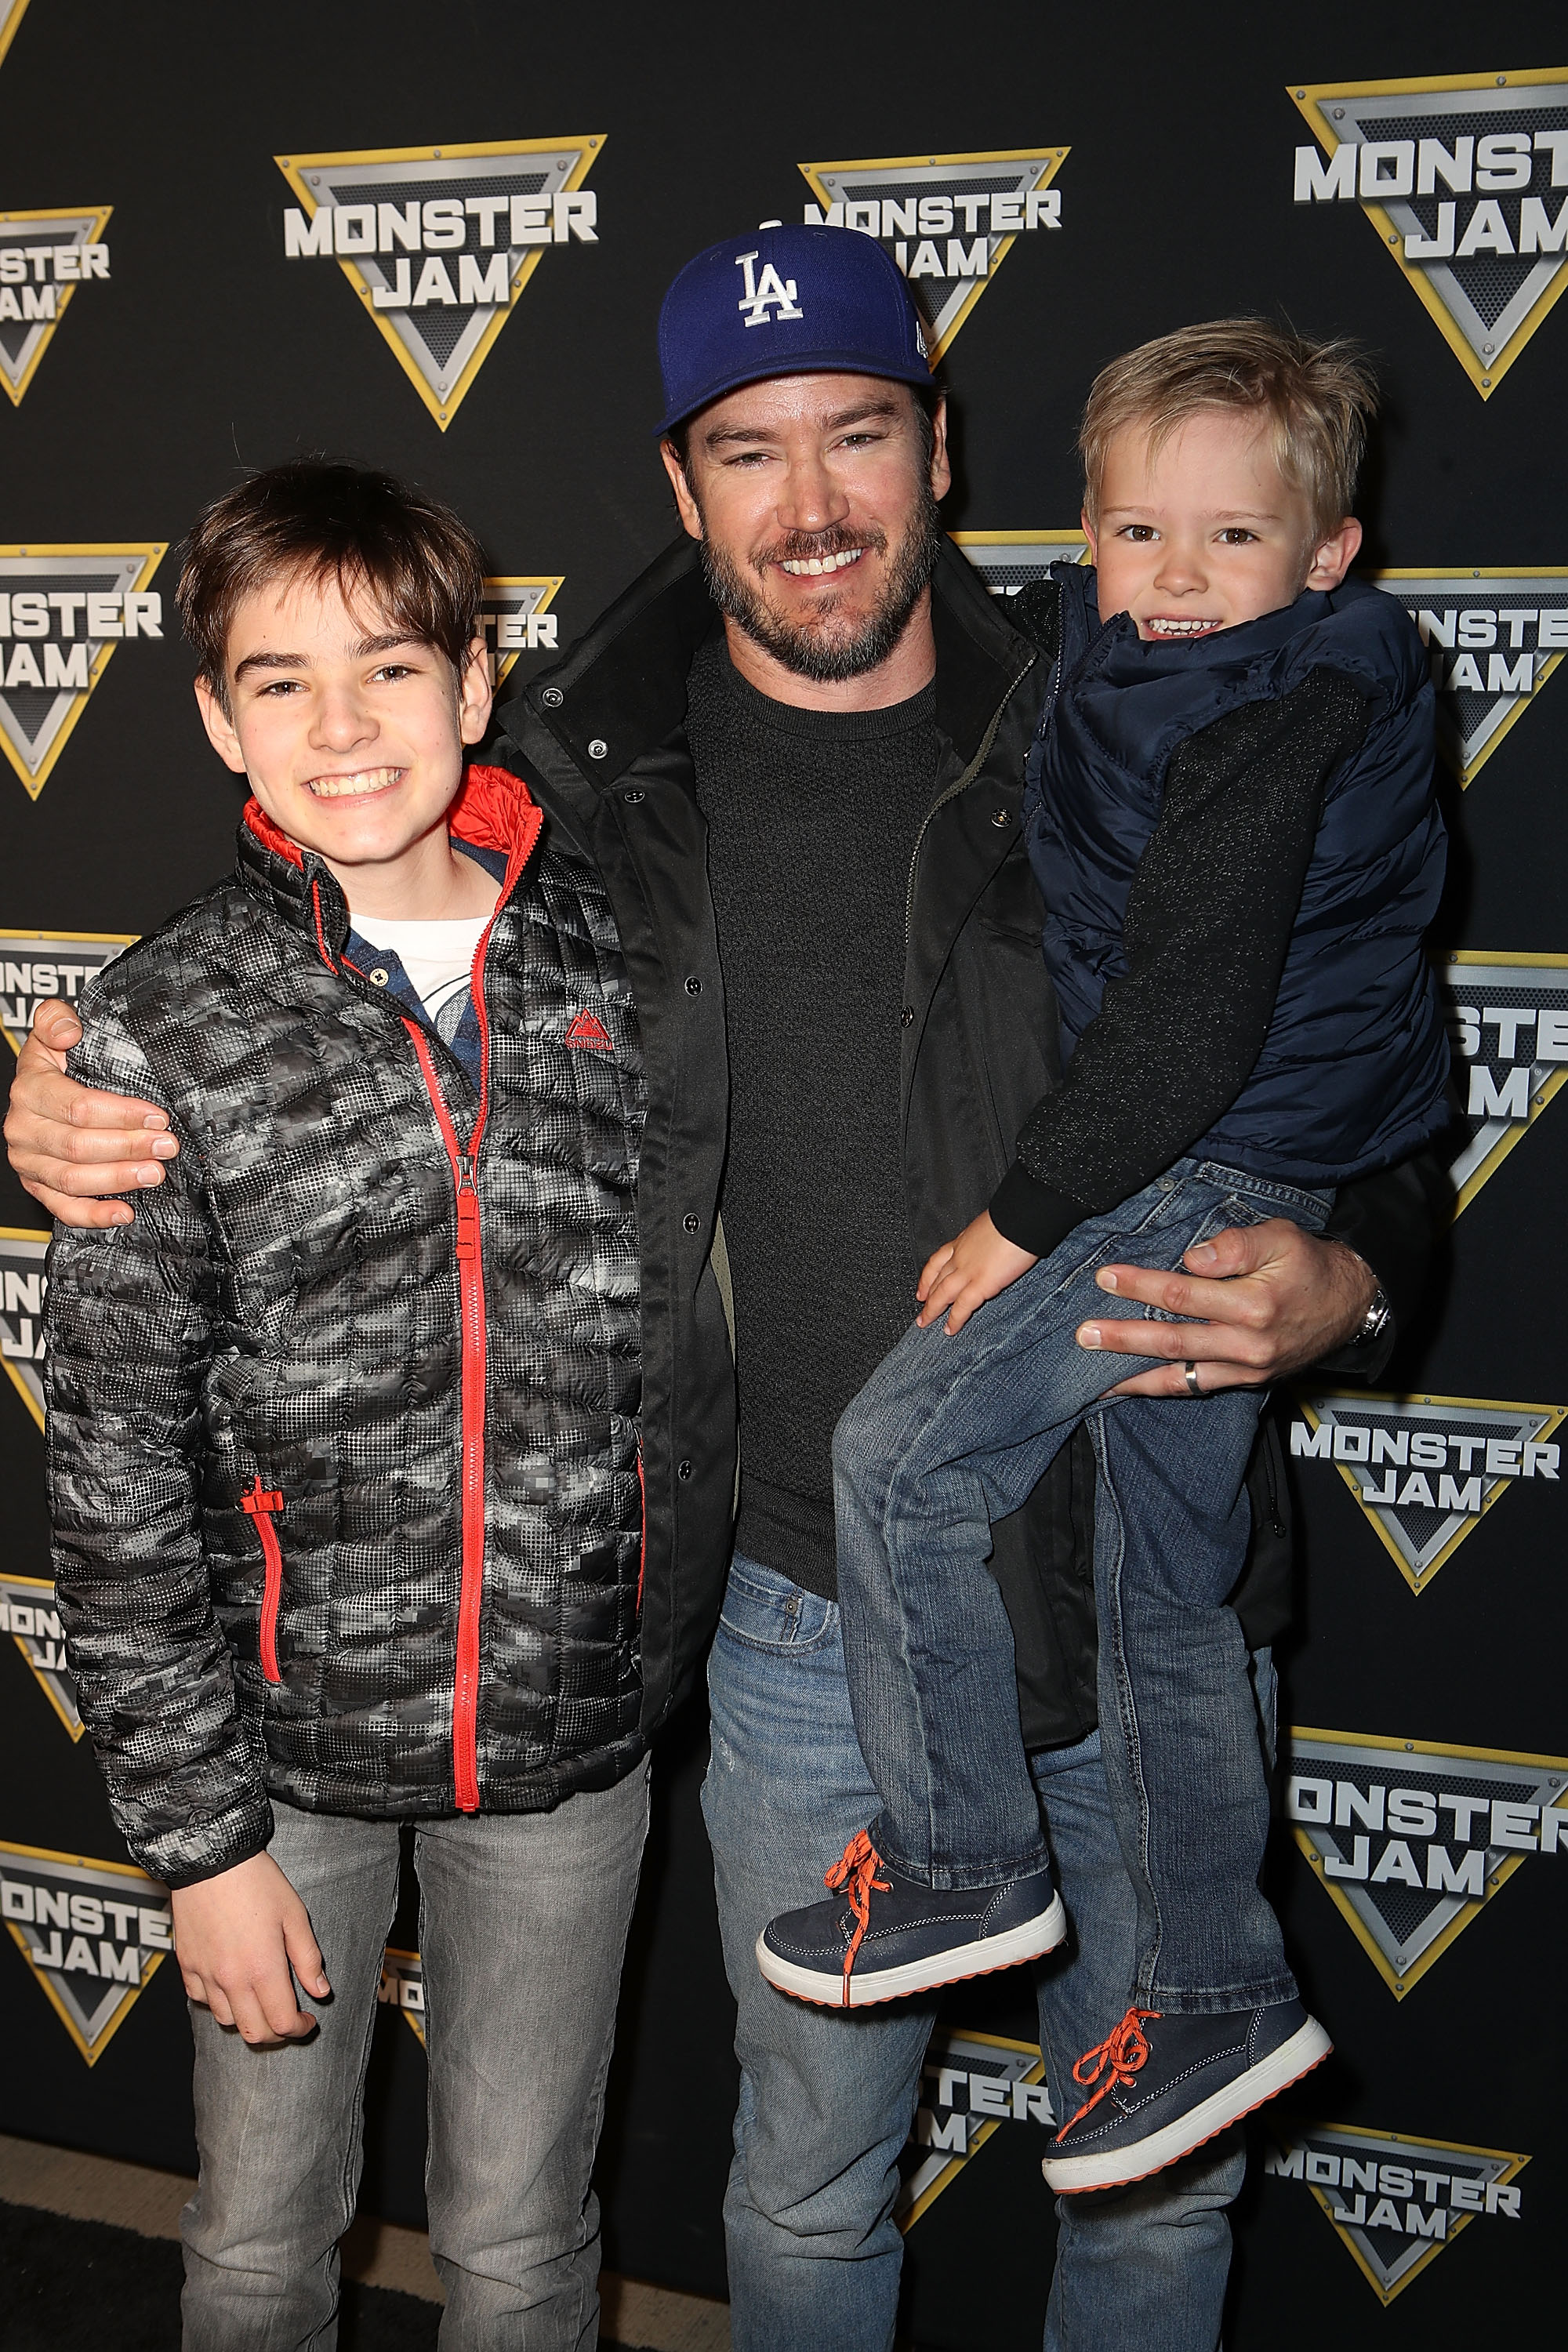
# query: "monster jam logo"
{"type": "Point", "coordinates": [91, 1932]}
{"type": "Point", "coordinates": [949, 221]}
{"type": "Point", "coordinates": [440, 241]}
{"type": "Point", "coordinates": [30, 1615]}
{"type": "Point", "coordinates": [516, 619]}
{"type": "Point", "coordinates": [1410, 1839]}
{"type": "Point", "coordinates": [35, 965]}
{"type": "Point", "coordinates": [63, 610]}
{"type": "Point", "coordinates": [1395, 2201]}
{"type": "Point", "coordinates": [1509, 1018]}
{"type": "Point", "coordinates": [1425, 1470]}
{"type": "Point", "coordinates": [22, 1254]}
{"type": "Point", "coordinates": [970, 2084]}
{"type": "Point", "coordinates": [1465, 178]}
{"type": "Point", "coordinates": [44, 258]}
{"type": "Point", "coordinates": [401, 1988]}
{"type": "Point", "coordinates": [1493, 639]}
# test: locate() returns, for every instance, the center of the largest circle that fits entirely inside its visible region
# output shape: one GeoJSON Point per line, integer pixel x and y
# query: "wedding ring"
{"type": "Point", "coordinates": [1190, 1373]}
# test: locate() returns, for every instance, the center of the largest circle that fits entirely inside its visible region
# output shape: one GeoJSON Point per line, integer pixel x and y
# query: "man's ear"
{"type": "Point", "coordinates": [690, 513]}
{"type": "Point", "coordinates": [940, 465]}
{"type": "Point", "coordinates": [219, 727]}
{"type": "Point", "coordinates": [1332, 556]}
{"type": "Point", "coordinates": [476, 692]}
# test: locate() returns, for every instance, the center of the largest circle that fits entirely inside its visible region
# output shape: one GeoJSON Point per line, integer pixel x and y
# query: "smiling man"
{"type": "Point", "coordinates": [794, 750]}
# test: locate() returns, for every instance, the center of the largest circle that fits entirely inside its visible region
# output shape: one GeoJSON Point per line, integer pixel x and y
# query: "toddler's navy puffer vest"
{"type": "Point", "coordinates": [1353, 1071]}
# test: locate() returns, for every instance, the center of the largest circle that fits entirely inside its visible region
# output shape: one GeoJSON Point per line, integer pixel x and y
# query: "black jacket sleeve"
{"type": "Point", "coordinates": [1207, 927]}
{"type": "Point", "coordinates": [1395, 1220]}
{"type": "Point", "coordinates": [129, 1321]}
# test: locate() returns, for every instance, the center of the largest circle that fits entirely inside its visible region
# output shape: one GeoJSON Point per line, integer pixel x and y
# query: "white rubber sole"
{"type": "Point", "coordinates": [1115, 2167]}
{"type": "Point", "coordinates": [1030, 1942]}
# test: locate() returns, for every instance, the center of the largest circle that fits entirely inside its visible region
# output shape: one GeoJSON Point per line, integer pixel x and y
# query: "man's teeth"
{"type": "Point", "coordinates": [339, 788]}
{"type": "Point", "coordinates": [812, 564]}
{"type": "Point", "coordinates": [1167, 625]}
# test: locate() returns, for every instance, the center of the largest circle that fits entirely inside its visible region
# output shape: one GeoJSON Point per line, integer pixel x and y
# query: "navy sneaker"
{"type": "Point", "coordinates": [1161, 2094]}
{"type": "Point", "coordinates": [886, 1935]}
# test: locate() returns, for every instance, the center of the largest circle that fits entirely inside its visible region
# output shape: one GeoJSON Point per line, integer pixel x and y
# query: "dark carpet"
{"type": "Point", "coordinates": [82, 2286]}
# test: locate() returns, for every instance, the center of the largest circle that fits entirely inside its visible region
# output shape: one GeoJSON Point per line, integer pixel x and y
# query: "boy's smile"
{"type": "Point", "coordinates": [350, 734]}
{"type": "Point", "coordinates": [1204, 531]}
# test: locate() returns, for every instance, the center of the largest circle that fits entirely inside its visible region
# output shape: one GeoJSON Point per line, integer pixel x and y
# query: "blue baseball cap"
{"type": "Point", "coordinates": [786, 301]}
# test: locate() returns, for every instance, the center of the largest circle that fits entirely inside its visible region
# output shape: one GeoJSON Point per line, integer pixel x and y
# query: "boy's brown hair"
{"type": "Point", "coordinates": [1321, 397]}
{"type": "Point", "coordinates": [314, 521]}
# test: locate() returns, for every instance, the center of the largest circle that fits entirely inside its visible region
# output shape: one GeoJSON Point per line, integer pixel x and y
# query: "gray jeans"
{"type": "Point", "coordinates": [522, 1932]}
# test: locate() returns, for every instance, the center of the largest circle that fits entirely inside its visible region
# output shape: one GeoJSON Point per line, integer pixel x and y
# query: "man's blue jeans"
{"type": "Point", "coordinates": [953, 1431]}
{"type": "Point", "coordinates": [827, 2095]}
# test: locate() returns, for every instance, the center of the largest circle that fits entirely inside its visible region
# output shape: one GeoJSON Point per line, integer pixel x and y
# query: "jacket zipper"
{"type": "Point", "coordinates": [263, 1507]}
{"type": "Point", "coordinates": [471, 1299]}
{"type": "Point", "coordinates": [960, 785]}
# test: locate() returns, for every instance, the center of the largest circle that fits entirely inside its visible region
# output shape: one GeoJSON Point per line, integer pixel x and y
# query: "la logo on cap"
{"type": "Point", "coordinates": [760, 292]}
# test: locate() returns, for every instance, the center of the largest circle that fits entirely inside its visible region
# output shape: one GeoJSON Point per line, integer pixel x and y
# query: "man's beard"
{"type": "Point", "coordinates": [802, 645]}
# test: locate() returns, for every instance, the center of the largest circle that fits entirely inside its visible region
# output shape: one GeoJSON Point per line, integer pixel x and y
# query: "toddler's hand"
{"type": "Point", "coordinates": [962, 1275]}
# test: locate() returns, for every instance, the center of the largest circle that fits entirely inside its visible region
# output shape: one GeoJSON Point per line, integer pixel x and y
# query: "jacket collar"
{"type": "Point", "coordinates": [494, 809]}
{"type": "Point", "coordinates": [621, 690]}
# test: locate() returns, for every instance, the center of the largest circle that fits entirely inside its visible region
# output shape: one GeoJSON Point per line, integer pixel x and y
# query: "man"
{"type": "Point", "coordinates": [794, 748]}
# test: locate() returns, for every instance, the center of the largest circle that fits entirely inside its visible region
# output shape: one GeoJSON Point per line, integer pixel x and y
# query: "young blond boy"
{"type": "Point", "coordinates": [1231, 820]}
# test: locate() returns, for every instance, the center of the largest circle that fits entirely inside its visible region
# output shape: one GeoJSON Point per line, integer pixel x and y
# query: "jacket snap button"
{"type": "Point", "coordinates": [684, 1470]}
{"type": "Point", "coordinates": [551, 697]}
{"type": "Point", "coordinates": [1000, 817]}
{"type": "Point", "coordinates": [633, 799]}
{"type": "Point", "coordinates": [907, 1016]}
{"type": "Point", "coordinates": [692, 1225]}
{"type": "Point", "coordinates": [598, 748]}
{"type": "Point", "coordinates": [693, 986]}
{"type": "Point", "coordinates": [378, 978]}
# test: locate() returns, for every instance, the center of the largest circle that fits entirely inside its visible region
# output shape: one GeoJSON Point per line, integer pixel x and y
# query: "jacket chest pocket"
{"type": "Point", "coordinates": [266, 1508]}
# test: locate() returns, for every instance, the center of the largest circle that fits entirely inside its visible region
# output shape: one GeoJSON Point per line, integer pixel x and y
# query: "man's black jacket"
{"type": "Point", "coordinates": [600, 740]}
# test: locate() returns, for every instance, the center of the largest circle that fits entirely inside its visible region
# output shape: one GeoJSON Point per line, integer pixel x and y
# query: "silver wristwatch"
{"type": "Point", "coordinates": [1374, 1322]}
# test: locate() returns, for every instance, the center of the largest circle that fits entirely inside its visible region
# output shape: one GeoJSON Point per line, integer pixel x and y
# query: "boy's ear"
{"type": "Point", "coordinates": [476, 692]}
{"type": "Point", "coordinates": [219, 727]}
{"type": "Point", "coordinates": [1087, 527]}
{"type": "Point", "coordinates": [1332, 557]}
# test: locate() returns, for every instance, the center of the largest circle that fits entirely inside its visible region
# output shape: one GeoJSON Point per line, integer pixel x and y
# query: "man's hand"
{"type": "Point", "coordinates": [962, 1275]}
{"type": "Point", "coordinates": [67, 1141]}
{"type": "Point", "coordinates": [234, 1938]}
{"type": "Point", "coordinates": [1272, 1298]}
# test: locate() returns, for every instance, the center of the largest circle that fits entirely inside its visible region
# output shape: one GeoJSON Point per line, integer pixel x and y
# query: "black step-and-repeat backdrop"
{"type": "Point", "coordinates": [436, 239]}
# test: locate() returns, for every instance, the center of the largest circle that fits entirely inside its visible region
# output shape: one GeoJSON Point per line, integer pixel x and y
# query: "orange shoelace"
{"type": "Point", "coordinates": [1118, 2058]}
{"type": "Point", "coordinates": [856, 1872]}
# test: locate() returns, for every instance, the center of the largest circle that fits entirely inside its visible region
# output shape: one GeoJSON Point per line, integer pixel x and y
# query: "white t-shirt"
{"type": "Point", "coordinates": [438, 956]}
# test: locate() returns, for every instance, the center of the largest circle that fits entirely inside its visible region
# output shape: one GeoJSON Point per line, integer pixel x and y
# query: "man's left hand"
{"type": "Point", "coordinates": [1266, 1301]}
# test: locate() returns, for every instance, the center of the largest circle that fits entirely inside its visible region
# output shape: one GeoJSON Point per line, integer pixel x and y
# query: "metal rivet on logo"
{"type": "Point", "coordinates": [1393, 237]}
{"type": "Point", "coordinates": [436, 152]}
{"type": "Point", "coordinates": [1339, 114]}
{"type": "Point", "coordinates": [1486, 387]}
{"type": "Point", "coordinates": [1301, 93]}
{"type": "Point", "coordinates": [377, 978]}
{"type": "Point", "coordinates": [1501, 80]}
{"type": "Point", "coordinates": [598, 747]}
{"type": "Point", "coordinates": [551, 697]}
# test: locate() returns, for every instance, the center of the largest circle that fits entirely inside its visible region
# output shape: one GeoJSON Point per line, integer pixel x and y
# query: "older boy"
{"type": "Point", "coordinates": [1231, 819]}
{"type": "Point", "coordinates": [344, 1433]}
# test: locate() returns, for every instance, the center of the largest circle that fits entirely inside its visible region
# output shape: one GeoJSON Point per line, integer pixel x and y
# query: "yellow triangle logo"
{"type": "Point", "coordinates": [401, 1988]}
{"type": "Point", "coordinates": [439, 242]}
{"type": "Point", "coordinates": [23, 1250]}
{"type": "Point", "coordinates": [44, 256]}
{"type": "Point", "coordinates": [63, 609]}
{"type": "Point", "coordinates": [949, 221]}
{"type": "Point", "coordinates": [1493, 637]}
{"type": "Point", "coordinates": [970, 2084]}
{"type": "Point", "coordinates": [1412, 1838]}
{"type": "Point", "coordinates": [1395, 2201]}
{"type": "Point", "coordinates": [29, 1613]}
{"type": "Point", "coordinates": [1465, 179]}
{"type": "Point", "coordinates": [92, 1933]}
{"type": "Point", "coordinates": [1509, 1019]}
{"type": "Point", "coordinates": [516, 617]}
{"type": "Point", "coordinates": [1426, 1470]}
{"type": "Point", "coordinates": [35, 965]}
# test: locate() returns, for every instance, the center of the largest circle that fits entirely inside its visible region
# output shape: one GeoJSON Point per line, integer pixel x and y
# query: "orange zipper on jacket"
{"type": "Point", "coordinates": [262, 1507]}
